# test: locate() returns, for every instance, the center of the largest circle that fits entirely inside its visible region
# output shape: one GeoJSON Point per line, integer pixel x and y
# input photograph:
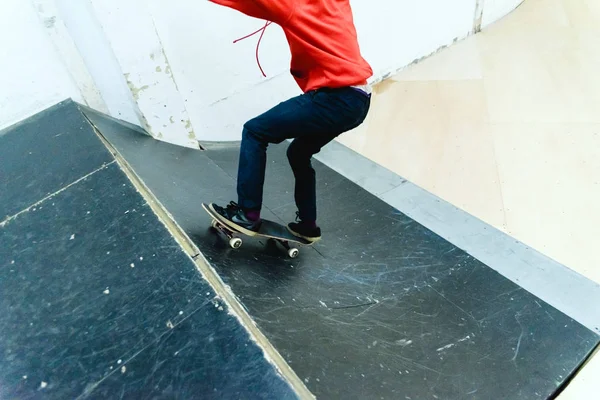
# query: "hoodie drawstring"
{"type": "Point", "coordinates": [258, 44]}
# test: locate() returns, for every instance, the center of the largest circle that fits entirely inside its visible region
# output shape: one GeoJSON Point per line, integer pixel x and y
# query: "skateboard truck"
{"type": "Point", "coordinates": [236, 242]}
{"type": "Point", "coordinates": [270, 230]}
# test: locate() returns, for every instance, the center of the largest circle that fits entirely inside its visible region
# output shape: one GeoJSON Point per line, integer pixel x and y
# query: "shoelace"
{"type": "Point", "coordinates": [262, 30]}
{"type": "Point", "coordinates": [233, 206]}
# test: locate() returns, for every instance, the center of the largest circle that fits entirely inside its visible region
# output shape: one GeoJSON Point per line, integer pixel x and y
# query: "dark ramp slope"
{"type": "Point", "coordinates": [97, 298]}
{"type": "Point", "coordinates": [382, 307]}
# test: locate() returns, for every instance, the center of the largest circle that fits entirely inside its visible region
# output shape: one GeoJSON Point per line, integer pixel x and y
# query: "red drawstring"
{"type": "Point", "coordinates": [258, 44]}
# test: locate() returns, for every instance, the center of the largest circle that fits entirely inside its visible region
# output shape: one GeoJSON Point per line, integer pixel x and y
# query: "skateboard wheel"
{"type": "Point", "coordinates": [214, 224]}
{"type": "Point", "coordinates": [293, 253]}
{"type": "Point", "coordinates": [235, 243]}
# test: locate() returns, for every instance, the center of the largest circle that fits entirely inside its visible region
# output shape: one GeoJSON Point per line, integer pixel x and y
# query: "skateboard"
{"type": "Point", "coordinates": [268, 229]}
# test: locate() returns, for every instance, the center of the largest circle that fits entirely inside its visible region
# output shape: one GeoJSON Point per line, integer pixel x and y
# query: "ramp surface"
{"type": "Point", "coordinates": [382, 307]}
{"type": "Point", "coordinates": [98, 300]}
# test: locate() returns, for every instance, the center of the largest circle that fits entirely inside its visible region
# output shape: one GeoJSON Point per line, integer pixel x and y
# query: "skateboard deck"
{"type": "Point", "coordinates": [268, 229]}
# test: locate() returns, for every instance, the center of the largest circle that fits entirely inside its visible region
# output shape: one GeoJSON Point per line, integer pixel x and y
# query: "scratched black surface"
{"type": "Point", "coordinates": [33, 160]}
{"type": "Point", "coordinates": [99, 301]}
{"type": "Point", "coordinates": [382, 307]}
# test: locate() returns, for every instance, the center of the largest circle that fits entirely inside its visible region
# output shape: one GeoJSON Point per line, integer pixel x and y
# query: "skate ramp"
{"type": "Point", "coordinates": [382, 306]}
{"type": "Point", "coordinates": [98, 298]}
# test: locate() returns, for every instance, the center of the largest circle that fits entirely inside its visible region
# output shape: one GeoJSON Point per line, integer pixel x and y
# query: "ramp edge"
{"type": "Point", "coordinates": [235, 307]}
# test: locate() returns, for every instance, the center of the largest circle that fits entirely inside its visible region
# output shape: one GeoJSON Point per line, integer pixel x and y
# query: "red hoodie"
{"type": "Point", "coordinates": [322, 39]}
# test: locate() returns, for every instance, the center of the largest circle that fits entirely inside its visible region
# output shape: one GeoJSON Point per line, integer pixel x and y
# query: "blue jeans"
{"type": "Point", "coordinates": [312, 119]}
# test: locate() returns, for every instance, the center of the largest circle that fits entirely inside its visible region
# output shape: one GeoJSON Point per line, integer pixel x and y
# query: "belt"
{"type": "Point", "coordinates": [366, 89]}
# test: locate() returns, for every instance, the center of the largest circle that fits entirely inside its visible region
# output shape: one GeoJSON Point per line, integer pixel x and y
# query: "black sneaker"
{"type": "Point", "coordinates": [304, 230]}
{"type": "Point", "coordinates": [236, 218]}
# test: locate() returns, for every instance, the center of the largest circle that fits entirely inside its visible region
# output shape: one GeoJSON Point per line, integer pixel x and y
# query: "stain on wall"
{"type": "Point", "coordinates": [135, 91]}
{"type": "Point", "coordinates": [50, 22]}
{"type": "Point", "coordinates": [479, 5]}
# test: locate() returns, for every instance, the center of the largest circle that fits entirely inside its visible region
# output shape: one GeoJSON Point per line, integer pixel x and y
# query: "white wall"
{"type": "Point", "coordinates": [220, 81]}
{"type": "Point", "coordinates": [172, 67]}
{"type": "Point", "coordinates": [393, 34]}
{"type": "Point", "coordinates": [222, 86]}
{"type": "Point", "coordinates": [32, 76]}
{"type": "Point", "coordinates": [493, 10]}
{"type": "Point", "coordinates": [97, 56]}
{"type": "Point", "coordinates": [130, 29]}
{"type": "Point", "coordinates": [67, 51]}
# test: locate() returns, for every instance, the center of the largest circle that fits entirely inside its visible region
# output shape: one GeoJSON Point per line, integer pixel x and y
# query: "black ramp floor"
{"type": "Point", "coordinates": [381, 307]}
{"type": "Point", "coordinates": [31, 170]}
{"type": "Point", "coordinates": [98, 300]}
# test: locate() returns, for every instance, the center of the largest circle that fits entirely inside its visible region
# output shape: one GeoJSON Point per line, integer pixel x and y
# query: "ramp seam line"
{"type": "Point", "coordinates": [13, 217]}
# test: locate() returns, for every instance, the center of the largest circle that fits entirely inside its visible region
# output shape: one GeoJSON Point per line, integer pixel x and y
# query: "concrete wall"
{"type": "Point", "coordinates": [222, 84]}
{"type": "Point", "coordinates": [32, 76]}
{"type": "Point", "coordinates": [493, 10]}
{"type": "Point", "coordinates": [83, 38]}
{"type": "Point", "coordinates": [173, 67]}
{"type": "Point", "coordinates": [129, 27]}
{"type": "Point", "coordinates": [217, 86]}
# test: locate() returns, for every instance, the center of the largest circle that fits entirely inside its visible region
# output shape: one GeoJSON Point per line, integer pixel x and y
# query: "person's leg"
{"type": "Point", "coordinates": [251, 168]}
{"type": "Point", "coordinates": [245, 214]}
{"type": "Point", "coordinates": [273, 126]}
{"type": "Point", "coordinates": [317, 114]}
{"type": "Point", "coordinates": [299, 154]}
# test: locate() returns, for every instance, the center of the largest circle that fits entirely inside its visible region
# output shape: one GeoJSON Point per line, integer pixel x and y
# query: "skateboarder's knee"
{"type": "Point", "coordinates": [249, 131]}
{"type": "Point", "coordinates": [261, 132]}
